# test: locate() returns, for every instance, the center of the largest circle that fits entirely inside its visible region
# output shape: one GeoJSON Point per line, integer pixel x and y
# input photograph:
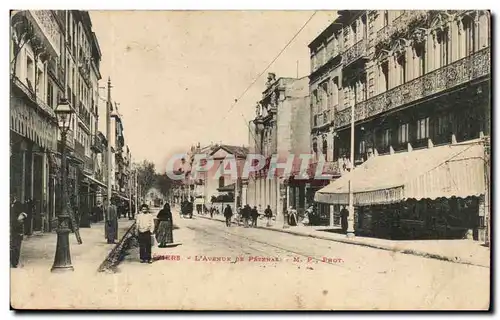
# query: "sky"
{"type": "Point", "coordinates": [176, 74]}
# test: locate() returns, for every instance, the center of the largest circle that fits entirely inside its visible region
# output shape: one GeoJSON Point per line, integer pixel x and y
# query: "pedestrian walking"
{"type": "Point", "coordinates": [164, 232]}
{"type": "Point", "coordinates": [17, 219]}
{"type": "Point", "coordinates": [292, 216]}
{"type": "Point", "coordinates": [238, 216]}
{"type": "Point", "coordinates": [344, 213]}
{"type": "Point", "coordinates": [144, 226]}
{"type": "Point", "coordinates": [112, 223]}
{"type": "Point", "coordinates": [246, 215]}
{"type": "Point", "coordinates": [269, 215]}
{"type": "Point", "coordinates": [228, 213]}
{"type": "Point", "coordinates": [255, 214]}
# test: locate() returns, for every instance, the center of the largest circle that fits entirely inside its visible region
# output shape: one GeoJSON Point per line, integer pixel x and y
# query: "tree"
{"type": "Point", "coordinates": [146, 176]}
{"type": "Point", "coordinates": [165, 184]}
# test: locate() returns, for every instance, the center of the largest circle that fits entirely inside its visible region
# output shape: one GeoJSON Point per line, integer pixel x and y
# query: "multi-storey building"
{"type": "Point", "coordinates": [37, 81]}
{"type": "Point", "coordinates": [279, 129]}
{"type": "Point", "coordinates": [214, 187]}
{"type": "Point", "coordinates": [419, 83]}
{"type": "Point", "coordinates": [52, 55]}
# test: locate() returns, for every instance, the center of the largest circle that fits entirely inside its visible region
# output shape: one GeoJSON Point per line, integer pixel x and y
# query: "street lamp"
{"type": "Point", "coordinates": [62, 259]}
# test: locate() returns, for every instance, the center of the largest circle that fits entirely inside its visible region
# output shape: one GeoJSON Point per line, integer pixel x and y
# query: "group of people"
{"type": "Point", "coordinates": [147, 231]}
{"type": "Point", "coordinates": [187, 209]}
{"type": "Point", "coordinates": [248, 214]}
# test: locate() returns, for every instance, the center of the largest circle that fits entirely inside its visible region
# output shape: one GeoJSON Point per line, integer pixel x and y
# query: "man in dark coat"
{"type": "Point", "coordinates": [246, 212]}
{"type": "Point", "coordinates": [228, 213]}
{"type": "Point", "coordinates": [112, 223]}
{"type": "Point", "coordinates": [17, 220]}
{"type": "Point", "coordinates": [255, 214]}
{"type": "Point", "coordinates": [344, 214]}
{"type": "Point", "coordinates": [269, 215]}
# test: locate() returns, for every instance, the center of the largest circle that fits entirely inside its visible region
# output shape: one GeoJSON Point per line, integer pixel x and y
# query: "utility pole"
{"type": "Point", "coordinates": [129, 190]}
{"type": "Point", "coordinates": [350, 219]}
{"type": "Point", "coordinates": [136, 192]}
{"type": "Point", "coordinates": [108, 160]}
{"type": "Point", "coordinates": [487, 207]}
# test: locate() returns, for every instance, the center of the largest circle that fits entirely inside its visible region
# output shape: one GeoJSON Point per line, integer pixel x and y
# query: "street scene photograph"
{"type": "Point", "coordinates": [333, 160]}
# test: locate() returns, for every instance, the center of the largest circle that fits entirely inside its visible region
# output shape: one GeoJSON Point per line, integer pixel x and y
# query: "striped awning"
{"type": "Point", "coordinates": [92, 181]}
{"type": "Point", "coordinates": [445, 171]}
{"type": "Point", "coordinates": [29, 123]}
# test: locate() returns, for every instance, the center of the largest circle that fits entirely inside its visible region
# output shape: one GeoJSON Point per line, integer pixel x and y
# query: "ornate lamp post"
{"type": "Point", "coordinates": [62, 259]}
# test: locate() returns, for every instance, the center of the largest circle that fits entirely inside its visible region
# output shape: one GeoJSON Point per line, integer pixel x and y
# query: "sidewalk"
{"type": "Point", "coordinates": [33, 281]}
{"type": "Point", "coordinates": [37, 252]}
{"type": "Point", "coordinates": [458, 251]}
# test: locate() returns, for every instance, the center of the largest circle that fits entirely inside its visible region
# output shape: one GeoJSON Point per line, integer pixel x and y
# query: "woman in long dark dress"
{"type": "Point", "coordinates": [164, 234]}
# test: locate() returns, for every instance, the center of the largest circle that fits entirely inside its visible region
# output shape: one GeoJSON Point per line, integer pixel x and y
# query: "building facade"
{"type": "Point", "coordinates": [54, 56]}
{"type": "Point", "coordinates": [279, 129]}
{"type": "Point", "coordinates": [37, 39]}
{"type": "Point", "coordinates": [417, 80]}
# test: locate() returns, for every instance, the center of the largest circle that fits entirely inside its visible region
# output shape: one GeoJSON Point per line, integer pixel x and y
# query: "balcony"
{"type": "Point", "coordinates": [458, 73]}
{"type": "Point", "coordinates": [329, 167]}
{"type": "Point", "coordinates": [97, 145]}
{"type": "Point", "coordinates": [30, 94]}
{"type": "Point", "coordinates": [322, 119]}
{"type": "Point", "coordinates": [354, 53]}
{"type": "Point", "coordinates": [400, 24]}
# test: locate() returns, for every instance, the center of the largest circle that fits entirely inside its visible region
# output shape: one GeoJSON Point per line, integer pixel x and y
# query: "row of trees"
{"type": "Point", "coordinates": [147, 178]}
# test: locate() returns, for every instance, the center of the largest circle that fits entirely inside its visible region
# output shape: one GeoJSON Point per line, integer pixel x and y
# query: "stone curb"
{"type": "Point", "coordinates": [374, 246]}
{"type": "Point", "coordinates": [117, 254]}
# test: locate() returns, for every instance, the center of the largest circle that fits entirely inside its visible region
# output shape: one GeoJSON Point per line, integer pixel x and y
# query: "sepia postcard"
{"type": "Point", "coordinates": [250, 160]}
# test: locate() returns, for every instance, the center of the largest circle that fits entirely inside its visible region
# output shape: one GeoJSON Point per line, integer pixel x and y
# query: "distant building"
{"type": "Point", "coordinates": [281, 126]}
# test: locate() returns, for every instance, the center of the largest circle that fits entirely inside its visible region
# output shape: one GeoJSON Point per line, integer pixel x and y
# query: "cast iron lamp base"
{"type": "Point", "coordinates": [62, 259]}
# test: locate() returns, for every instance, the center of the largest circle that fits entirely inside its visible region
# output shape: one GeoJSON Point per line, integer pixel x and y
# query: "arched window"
{"type": "Point", "coordinates": [221, 181]}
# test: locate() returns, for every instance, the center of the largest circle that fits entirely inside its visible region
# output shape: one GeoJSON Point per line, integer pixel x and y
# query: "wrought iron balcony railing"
{"type": "Point", "coordinates": [455, 74]}
{"type": "Point", "coordinates": [400, 24]}
{"type": "Point", "coordinates": [329, 167]}
{"type": "Point", "coordinates": [322, 119]}
{"type": "Point", "coordinates": [355, 52]}
{"type": "Point", "coordinates": [31, 95]}
{"type": "Point", "coordinates": [97, 145]}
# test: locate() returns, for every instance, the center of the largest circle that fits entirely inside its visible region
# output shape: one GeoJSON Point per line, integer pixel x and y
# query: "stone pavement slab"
{"type": "Point", "coordinates": [459, 251]}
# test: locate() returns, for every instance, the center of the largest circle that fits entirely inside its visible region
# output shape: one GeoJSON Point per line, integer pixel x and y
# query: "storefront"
{"type": "Point", "coordinates": [431, 193]}
{"type": "Point", "coordinates": [33, 135]}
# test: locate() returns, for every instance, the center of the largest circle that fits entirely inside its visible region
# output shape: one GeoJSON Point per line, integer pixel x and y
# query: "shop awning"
{"type": "Point", "coordinates": [446, 171]}
{"type": "Point", "coordinates": [121, 196]}
{"type": "Point", "coordinates": [95, 181]}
